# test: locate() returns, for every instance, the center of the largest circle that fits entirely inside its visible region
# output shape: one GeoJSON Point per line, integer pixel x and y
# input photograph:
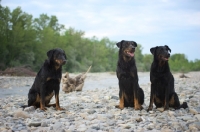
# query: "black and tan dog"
{"type": "Point", "coordinates": [130, 93]}
{"type": "Point", "coordinates": [47, 81]}
{"type": "Point", "coordinates": [162, 81]}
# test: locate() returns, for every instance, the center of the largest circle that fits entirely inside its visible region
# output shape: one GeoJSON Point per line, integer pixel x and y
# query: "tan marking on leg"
{"type": "Point", "coordinates": [49, 105]}
{"type": "Point", "coordinates": [37, 101]}
{"type": "Point", "coordinates": [121, 102]}
{"type": "Point", "coordinates": [37, 98]}
{"type": "Point", "coordinates": [172, 101]}
{"type": "Point", "coordinates": [157, 100]}
{"type": "Point", "coordinates": [42, 106]}
{"type": "Point", "coordinates": [57, 103]}
{"type": "Point", "coordinates": [137, 106]}
{"type": "Point", "coordinates": [48, 98]}
{"type": "Point", "coordinates": [48, 78]}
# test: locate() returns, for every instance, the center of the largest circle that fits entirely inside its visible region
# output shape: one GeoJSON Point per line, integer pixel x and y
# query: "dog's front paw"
{"type": "Point", "coordinates": [166, 108]}
{"type": "Point", "coordinates": [149, 109]}
{"type": "Point", "coordinates": [118, 106]}
{"type": "Point", "coordinates": [59, 108]}
{"type": "Point", "coordinates": [43, 108]}
{"type": "Point", "coordinates": [139, 107]}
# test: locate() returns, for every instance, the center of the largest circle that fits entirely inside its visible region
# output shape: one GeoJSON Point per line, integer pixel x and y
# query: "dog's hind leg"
{"type": "Point", "coordinates": [137, 100]}
{"type": "Point", "coordinates": [33, 98]}
{"type": "Point", "coordinates": [49, 105]}
{"type": "Point", "coordinates": [140, 96]}
{"type": "Point", "coordinates": [175, 103]}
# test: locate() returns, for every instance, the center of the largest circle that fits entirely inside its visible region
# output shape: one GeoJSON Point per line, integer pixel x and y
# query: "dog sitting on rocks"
{"type": "Point", "coordinates": [162, 81]}
{"type": "Point", "coordinates": [70, 84]}
{"type": "Point", "coordinates": [47, 81]}
{"type": "Point", "coordinates": [130, 93]}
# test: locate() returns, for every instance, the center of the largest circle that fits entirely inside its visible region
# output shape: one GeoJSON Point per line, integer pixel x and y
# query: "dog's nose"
{"type": "Point", "coordinates": [64, 61]}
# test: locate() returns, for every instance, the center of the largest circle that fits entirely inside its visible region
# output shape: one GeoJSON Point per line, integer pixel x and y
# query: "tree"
{"type": "Point", "coordinates": [4, 35]}
{"type": "Point", "coordinates": [179, 62]}
{"type": "Point", "coordinates": [147, 60]}
{"type": "Point", "coordinates": [25, 41]}
{"type": "Point", "coordinates": [139, 57]}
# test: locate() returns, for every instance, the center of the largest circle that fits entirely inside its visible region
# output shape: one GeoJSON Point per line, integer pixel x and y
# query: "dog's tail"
{"type": "Point", "coordinates": [184, 105]}
{"type": "Point", "coordinates": [23, 106]}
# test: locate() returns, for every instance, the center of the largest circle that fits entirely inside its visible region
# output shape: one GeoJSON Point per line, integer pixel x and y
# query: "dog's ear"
{"type": "Point", "coordinates": [65, 55]}
{"type": "Point", "coordinates": [135, 44]}
{"type": "Point", "coordinates": [50, 54]}
{"type": "Point", "coordinates": [168, 48]}
{"type": "Point", "coordinates": [153, 50]}
{"type": "Point", "coordinates": [119, 44]}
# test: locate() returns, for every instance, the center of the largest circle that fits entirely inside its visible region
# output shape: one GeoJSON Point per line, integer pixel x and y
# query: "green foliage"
{"type": "Point", "coordinates": [179, 62]}
{"type": "Point", "coordinates": [139, 57]}
{"type": "Point", "coordinates": [25, 41]}
{"type": "Point", "coordinates": [147, 60]}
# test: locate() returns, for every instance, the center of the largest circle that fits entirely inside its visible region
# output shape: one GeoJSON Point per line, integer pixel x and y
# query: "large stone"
{"type": "Point", "coordinates": [197, 116]}
{"type": "Point", "coordinates": [22, 114]}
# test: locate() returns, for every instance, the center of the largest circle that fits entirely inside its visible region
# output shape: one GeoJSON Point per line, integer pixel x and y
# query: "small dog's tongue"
{"type": "Point", "coordinates": [131, 54]}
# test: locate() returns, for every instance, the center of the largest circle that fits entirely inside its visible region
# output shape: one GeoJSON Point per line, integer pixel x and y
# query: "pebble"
{"type": "Point", "coordinates": [94, 110]}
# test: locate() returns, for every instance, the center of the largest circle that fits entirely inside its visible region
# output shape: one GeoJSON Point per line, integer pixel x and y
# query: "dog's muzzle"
{"type": "Point", "coordinates": [63, 62]}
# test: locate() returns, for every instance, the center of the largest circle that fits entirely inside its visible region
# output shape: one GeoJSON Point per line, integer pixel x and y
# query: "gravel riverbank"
{"type": "Point", "coordinates": [93, 108]}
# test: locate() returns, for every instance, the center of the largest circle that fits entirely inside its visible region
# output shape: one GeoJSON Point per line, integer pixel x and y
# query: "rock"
{"type": "Point", "coordinates": [29, 109]}
{"type": "Point", "coordinates": [195, 125]}
{"type": "Point", "coordinates": [193, 111]}
{"type": "Point", "coordinates": [160, 109]}
{"type": "Point", "coordinates": [197, 116]}
{"type": "Point", "coordinates": [57, 126]}
{"type": "Point", "coordinates": [186, 118]}
{"type": "Point", "coordinates": [111, 123]}
{"type": "Point", "coordinates": [171, 113]}
{"type": "Point", "coordinates": [20, 113]}
{"type": "Point", "coordinates": [82, 128]}
{"type": "Point", "coordinates": [91, 111]}
{"type": "Point", "coordinates": [125, 126]}
{"type": "Point", "coordinates": [115, 97]}
{"type": "Point", "coordinates": [138, 119]}
{"type": "Point", "coordinates": [35, 124]}
{"type": "Point", "coordinates": [44, 124]}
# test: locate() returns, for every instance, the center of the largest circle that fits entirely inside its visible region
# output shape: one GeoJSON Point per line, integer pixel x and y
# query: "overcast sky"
{"type": "Point", "coordinates": [175, 23]}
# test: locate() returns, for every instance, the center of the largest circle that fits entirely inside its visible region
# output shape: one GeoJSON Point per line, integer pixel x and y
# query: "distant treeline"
{"type": "Point", "coordinates": [25, 40]}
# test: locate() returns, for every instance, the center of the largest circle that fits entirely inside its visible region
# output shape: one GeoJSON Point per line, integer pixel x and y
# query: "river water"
{"type": "Point", "coordinates": [93, 81]}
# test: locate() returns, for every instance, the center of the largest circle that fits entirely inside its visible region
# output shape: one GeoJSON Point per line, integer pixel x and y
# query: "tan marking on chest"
{"type": "Point", "coordinates": [37, 98]}
{"type": "Point", "coordinates": [48, 78]}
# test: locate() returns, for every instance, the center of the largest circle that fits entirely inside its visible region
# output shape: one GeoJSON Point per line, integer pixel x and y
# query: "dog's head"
{"type": "Point", "coordinates": [127, 48]}
{"type": "Point", "coordinates": [161, 53]}
{"type": "Point", "coordinates": [57, 56]}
